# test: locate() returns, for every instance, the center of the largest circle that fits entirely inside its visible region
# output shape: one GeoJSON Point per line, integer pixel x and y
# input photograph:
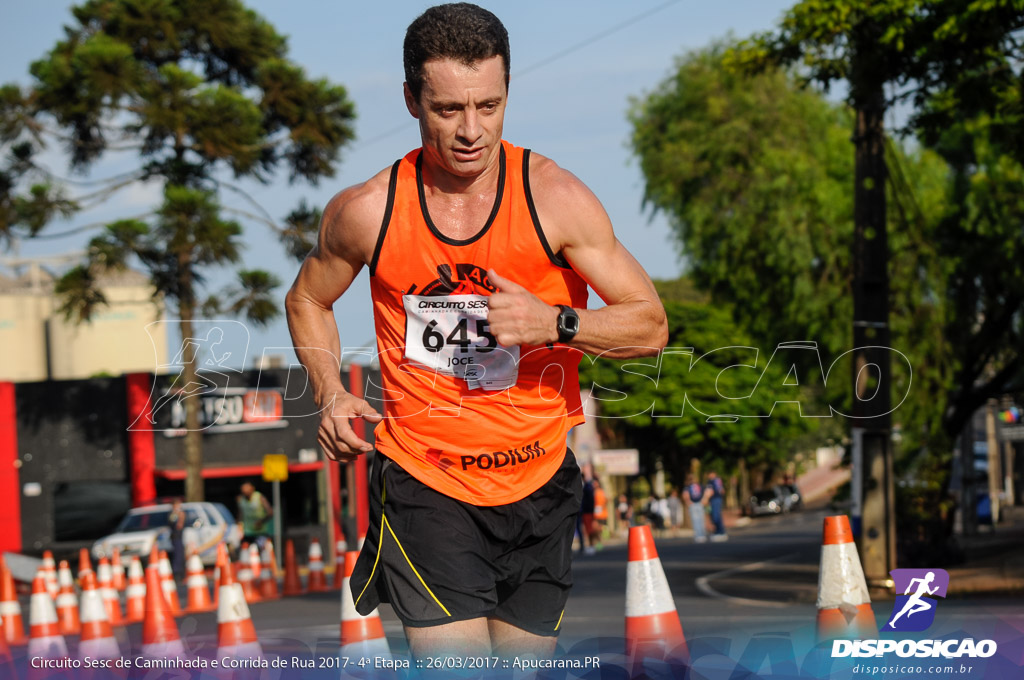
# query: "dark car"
{"type": "Point", "coordinates": [765, 502]}
{"type": "Point", "coordinates": [791, 498]}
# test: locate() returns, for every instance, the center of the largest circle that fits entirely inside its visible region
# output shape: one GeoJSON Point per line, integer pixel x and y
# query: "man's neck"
{"type": "Point", "coordinates": [438, 180]}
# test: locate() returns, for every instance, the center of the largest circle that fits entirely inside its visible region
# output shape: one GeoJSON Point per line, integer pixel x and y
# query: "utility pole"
{"type": "Point", "coordinates": [872, 372]}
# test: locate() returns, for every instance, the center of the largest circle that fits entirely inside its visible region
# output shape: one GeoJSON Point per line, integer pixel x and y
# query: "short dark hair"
{"type": "Point", "coordinates": [460, 31]}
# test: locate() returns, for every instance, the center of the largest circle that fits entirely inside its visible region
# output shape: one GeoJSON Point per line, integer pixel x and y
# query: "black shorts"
{"type": "Point", "coordinates": [438, 560]}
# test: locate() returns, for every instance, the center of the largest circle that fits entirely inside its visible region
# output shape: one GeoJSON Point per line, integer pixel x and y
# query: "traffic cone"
{"type": "Point", "coordinates": [198, 588]}
{"type": "Point", "coordinates": [844, 605]}
{"type": "Point", "coordinates": [653, 630]}
{"type": "Point", "coordinates": [268, 584]}
{"type": "Point", "coordinates": [154, 555]}
{"type": "Point", "coordinates": [11, 623]}
{"type": "Point", "coordinates": [97, 639]}
{"type": "Point", "coordinates": [49, 569]}
{"type": "Point", "coordinates": [243, 574]}
{"type": "Point", "coordinates": [256, 567]}
{"type": "Point", "coordinates": [111, 599]}
{"type": "Point", "coordinates": [135, 593]}
{"type": "Point", "coordinates": [160, 639]}
{"type": "Point", "coordinates": [223, 562]}
{"type": "Point", "coordinates": [84, 563]}
{"type": "Point", "coordinates": [45, 640]}
{"type": "Point", "coordinates": [236, 635]}
{"type": "Point", "coordinates": [169, 587]}
{"type": "Point", "coordinates": [117, 579]}
{"type": "Point", "coordinates": [361, 636]}
{"type": "Point", "coordinates": [315, 583]}
{"type": "Point", "coordinates": [292, 583]}
{"type": "Point", "coordinates": [340, 548]}
{"type": "Point", "coordinates": [67, 602]}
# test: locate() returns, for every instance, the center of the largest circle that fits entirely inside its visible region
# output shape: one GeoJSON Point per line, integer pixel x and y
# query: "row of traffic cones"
{"type": "Point", "coordinates": [653, 629]}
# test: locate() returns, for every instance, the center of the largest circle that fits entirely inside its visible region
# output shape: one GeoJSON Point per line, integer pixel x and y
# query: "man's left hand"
{"type": "Point", "coordinates": [518, 317]}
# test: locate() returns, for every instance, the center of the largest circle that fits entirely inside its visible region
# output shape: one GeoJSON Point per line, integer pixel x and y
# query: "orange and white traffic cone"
{"type": "Point", "coordinates": [49, 570]}
{"type": "Point", "coordinates": [223, 562]}
{"type": "Point", "coordinates": [97, 641]}
{"type": "Point", "coordinates": [12, 627]}
{"type": "Point", "coordinates": [292, 582]}
{"type": "Point", "coordinates": [84, 563]}
{"type": "Point", "coordinates": [135, 593]}
{"type": "Point", "coordinates": [67, 602]}
{"type": "Point", "coordinates": [198, 588]}
{"type": "Point", "coordinates": [315, 582]}
{"type": "Point", "coordinates": [45, 640]}
{"type": "Point", "coordinates": [256, 567]}
{"type": "Point", "coordinates": [340, 548]}
{"type": "Point", "coordinates": [236, 635]}
{"type": "Point", "coordinates": [844, 605]}
{"type": "Point", "coordinates": [653, 630]}
{"type": "Point", "coordinates": [117, 579]}
{"type": "Point", "coordinates": [268, 584]}
{"type": "Point", "coordinates": [243, 574]}
{"type": "Point", "coordinates": [169, 587]}
{"type": "Point", "coordinates": [361, 636]}
{"type": "Point", "coordinates": [111, 600]}
{"type": "Point", "coordinates": [160, 639]}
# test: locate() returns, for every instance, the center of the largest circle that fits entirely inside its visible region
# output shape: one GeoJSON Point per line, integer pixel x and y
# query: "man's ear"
{"type": "Point", "coordinates": [410, 101]}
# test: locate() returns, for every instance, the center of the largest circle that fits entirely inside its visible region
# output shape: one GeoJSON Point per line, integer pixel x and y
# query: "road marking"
{"type": "Point", "coordinates": [704, 584]}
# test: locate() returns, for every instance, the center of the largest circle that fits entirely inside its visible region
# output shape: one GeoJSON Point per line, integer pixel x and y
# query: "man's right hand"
{"type": "Point", "coordinates": [336, 436]}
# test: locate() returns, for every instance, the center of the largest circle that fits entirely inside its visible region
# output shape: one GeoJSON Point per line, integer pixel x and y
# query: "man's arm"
{"type": "Point", "coordinates": [348, 232]}
{"type": "Point", "coordinates": [633, 321]}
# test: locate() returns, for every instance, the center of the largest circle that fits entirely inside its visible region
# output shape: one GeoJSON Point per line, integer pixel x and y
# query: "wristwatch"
{"type": "Point", "coordinates": [568, 323]}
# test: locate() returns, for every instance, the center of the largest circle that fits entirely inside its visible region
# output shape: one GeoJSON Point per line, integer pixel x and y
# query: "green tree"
{"type": "Point", "coordinates": [199, 90]}
{"type": "Point", "coordinates": [958, 63]}
{"type": "Point", "coordinates": [712, 395]}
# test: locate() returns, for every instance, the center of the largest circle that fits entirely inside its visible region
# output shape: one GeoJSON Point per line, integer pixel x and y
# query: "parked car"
{"type": "Point", "coordinates": [765, 502]}
{"type": "Point", "coordinates": [791, 498]}
{"type": "Point", "coordinates": [206, 524]}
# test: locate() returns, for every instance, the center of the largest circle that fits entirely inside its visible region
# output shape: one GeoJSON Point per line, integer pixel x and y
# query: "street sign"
{"type": "Point", "coordinates": [623, 462]}
{"type": "Point", "coordinates": [275, 467]}
{"type": "Point", "coordinates": [1011, 433]}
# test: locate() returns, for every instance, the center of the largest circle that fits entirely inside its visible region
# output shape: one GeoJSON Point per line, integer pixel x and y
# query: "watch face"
{"type": "Point", "coordinates": [572, 323]}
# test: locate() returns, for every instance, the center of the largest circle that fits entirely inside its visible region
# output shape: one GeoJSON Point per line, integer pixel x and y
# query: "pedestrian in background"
{"type": "Point", "coordinates": [716, 491]}
{"type": "Point", "coordinates": [625, 513]}
{"type": "Point", "coordinates": [696, 496]}
{"type": "Point", "coordinates": [256, 513]}
{"type": "Point", "coordinates": [176, 521]}
{"type": "Point", "coordinates": [600, 518]}
{"type": "Point", "coordinates": [675, 509]}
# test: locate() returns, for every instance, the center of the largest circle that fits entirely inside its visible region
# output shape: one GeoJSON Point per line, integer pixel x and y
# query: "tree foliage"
{"type": "Point", "coordinates": [958, 64]}
{"type": "Point", "coordinates": [712, 394]}
{"type": "Point", "coordinates": [199, 91]}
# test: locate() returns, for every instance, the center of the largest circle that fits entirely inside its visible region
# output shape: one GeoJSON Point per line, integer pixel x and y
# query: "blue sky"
{"type": "Point", "coordinates": [571, 109]}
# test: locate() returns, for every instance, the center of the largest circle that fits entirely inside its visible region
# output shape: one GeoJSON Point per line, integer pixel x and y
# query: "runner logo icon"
{"type": "Point", "coordinates": [914, 610]}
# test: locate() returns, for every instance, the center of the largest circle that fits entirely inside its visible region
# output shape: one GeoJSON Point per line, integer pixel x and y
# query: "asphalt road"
{"type": "Point", "coordinates": [759, 585]}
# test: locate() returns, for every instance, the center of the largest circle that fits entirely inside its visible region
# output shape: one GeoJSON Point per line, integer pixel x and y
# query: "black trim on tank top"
{"type": "Point", "coordinates": [392, 187]}
{"type": "Point", "coordinates": [490, 220]}
{"type": "Point", "coordinates": [556, 259]}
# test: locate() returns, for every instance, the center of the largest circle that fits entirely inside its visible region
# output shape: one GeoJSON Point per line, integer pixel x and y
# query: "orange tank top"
{"type": "Point", "coordinates": [477, 421]}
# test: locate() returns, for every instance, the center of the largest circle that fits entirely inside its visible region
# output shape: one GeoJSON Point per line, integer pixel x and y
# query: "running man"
{"type": "Point", "coordinates": [915, 604]}
{"type": "Point", "coordinates": [479, 255]}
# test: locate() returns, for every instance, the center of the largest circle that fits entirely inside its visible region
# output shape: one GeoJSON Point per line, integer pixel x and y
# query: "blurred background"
{"type": "Point", "coordinates": [828, 193]}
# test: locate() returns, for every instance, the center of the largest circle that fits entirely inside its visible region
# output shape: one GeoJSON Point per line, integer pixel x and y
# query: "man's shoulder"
{"type": "Point", "coordinates": [353, 216]}
{"type": "Point", "coordinates": [549, 179]}
{"type": "Point", "coordinates": [360, 201]}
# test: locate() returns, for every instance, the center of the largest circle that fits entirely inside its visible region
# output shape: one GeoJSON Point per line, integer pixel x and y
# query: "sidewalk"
{"type": "Point", "coordinates": [995, 559]}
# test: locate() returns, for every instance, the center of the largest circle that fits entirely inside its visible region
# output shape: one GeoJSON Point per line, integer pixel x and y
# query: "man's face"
{"type": "Point", "coordinates": [247, 490]}
{"type": "Point", "coordinates": [461, 110]}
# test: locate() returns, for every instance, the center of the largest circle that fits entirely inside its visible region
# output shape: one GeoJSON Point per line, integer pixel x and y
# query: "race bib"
{"type": "Point", "coordinates": [450, 334]}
